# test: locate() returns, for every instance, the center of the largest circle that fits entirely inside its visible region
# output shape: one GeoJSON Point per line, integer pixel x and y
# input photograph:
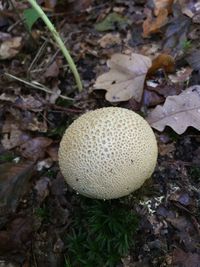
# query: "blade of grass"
{"type": "Point", "coordinates": [59, 42]}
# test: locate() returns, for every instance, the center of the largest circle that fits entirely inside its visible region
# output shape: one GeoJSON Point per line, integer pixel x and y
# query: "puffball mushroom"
{"type": "Point", "coordinates": [108, 153]}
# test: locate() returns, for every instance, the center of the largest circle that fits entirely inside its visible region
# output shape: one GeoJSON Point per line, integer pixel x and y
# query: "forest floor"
{"type": "Point", "coordinates": [43, 222]}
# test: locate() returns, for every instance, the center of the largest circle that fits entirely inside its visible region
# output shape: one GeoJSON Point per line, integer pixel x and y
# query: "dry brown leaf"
{"type": "Point", "coordinates": [109, 40]}
{"type": "Point", "coordinates": [162, 4]}
{"type": "Point", "coordinates": [162, 61]}
{"type": "Point", "coordinates": [13, 136]}
{"type": "Point", "coordinates": [10, 48]}
{"type": "Point", "coordinates": [154, 24]}
{"type": "Point", "coordinates": [125, 80]}
{"type": "Point", "coordinates": [152, 99]}
{"type": "Point", "coordinates": [34, 124]}
{"type": "Point", "coordinates": [52, 71]}
{"type": "Point", "coordinates": [29, 102]}
{"type": "Point", "coordinates": [14, 182]}
{"type": "Point", "coordinates": [35, 148]}
{"type": "Point", "coordinates": [17, 236]}
{"type": "Point", "coordinates": [179, 112]}
{"type": "Point", "coordinates": [166, 149]}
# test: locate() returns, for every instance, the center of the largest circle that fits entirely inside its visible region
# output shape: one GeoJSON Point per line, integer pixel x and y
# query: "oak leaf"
{"type": "Point", "coordinates": [179, 111]}
{"type": "Point", "coordinates": [125, 80]}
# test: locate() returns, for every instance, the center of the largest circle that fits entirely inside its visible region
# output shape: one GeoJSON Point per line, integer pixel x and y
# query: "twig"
{"type": "Point", "coordinates": [58, 41]}
{"type": "Point", "coordinates": [36, 85]}
{"type": "Point", "coordinates": [39, 53]}
{"type": "Point", "coordinates": [14, 25]}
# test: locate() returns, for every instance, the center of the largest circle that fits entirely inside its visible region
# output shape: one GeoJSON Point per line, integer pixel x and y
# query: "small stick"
{"type": "Point", "coordinates": [39, 53]}
{"type": "Point", "coordinates": [36, 85]}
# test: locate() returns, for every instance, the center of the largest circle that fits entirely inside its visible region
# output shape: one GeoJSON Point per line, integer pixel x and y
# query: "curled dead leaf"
{"type": "Point", "coordinates": [162, 4]}
{"type": "Point", "coordinates": [126, 77]}
{"type": "Point", "coordinates": [10, 48]}
{"type": "Point", "coordinates": [154, 24]}
{"type": "Point", "coordinates": [162, 61]}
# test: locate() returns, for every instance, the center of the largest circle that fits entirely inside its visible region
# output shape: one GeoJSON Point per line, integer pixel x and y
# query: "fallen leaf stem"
{"type": "Point", "coordinates": [59, 42]}
{"type": "Point", "coordinates": [36, 85]}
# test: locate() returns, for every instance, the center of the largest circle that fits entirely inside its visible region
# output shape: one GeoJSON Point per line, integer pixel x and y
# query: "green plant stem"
{"type": "Point", "coordinates": [59, 42]}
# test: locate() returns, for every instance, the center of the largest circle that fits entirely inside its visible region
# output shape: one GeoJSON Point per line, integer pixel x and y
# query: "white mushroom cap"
{"type": "Point", "coordinates": [108, 153]}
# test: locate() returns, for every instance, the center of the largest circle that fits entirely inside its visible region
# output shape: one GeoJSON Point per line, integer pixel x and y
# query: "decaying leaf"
{"type": "Point", "coordinates": [35, 148]}
{"type": "Point", "coordinates": [151, 98]}
{"type": "Point", "coordinates": [179, 112]}
{"type": "Point", "coordinates": [14, 182]}
{"type": "Point", "coordinates": [162, 4]}
{"type": "Point", "coordinates": [52, 71]}
{"type": "Point", "coordinates": [29, 103]}
{"type": "Point", "coordinates": [13, 136]}
{"type": "Point", "coordinates": [154, 24]}
{"type": "Point", "coordinates": [109, 40]}
{"type": "Point", "coordinates": [10, 48]}
{"type": "Point", "coordinates": [17, 236]}
{"type": "Point", "coordinates": [125, 80]}
{"type": "Point", "coordinates": [185, 259]}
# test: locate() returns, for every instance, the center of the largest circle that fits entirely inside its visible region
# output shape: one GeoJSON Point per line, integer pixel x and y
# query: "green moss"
{"type": "Point", "coordinates": [102, 232]}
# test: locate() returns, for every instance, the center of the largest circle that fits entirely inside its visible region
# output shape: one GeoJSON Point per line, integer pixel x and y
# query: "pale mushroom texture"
{"type": "Point", "coordinates": [108, 153]}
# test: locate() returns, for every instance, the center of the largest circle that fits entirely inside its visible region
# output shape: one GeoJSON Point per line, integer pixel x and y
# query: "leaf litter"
{"type": "Point", "coordinates": [37, 213]}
